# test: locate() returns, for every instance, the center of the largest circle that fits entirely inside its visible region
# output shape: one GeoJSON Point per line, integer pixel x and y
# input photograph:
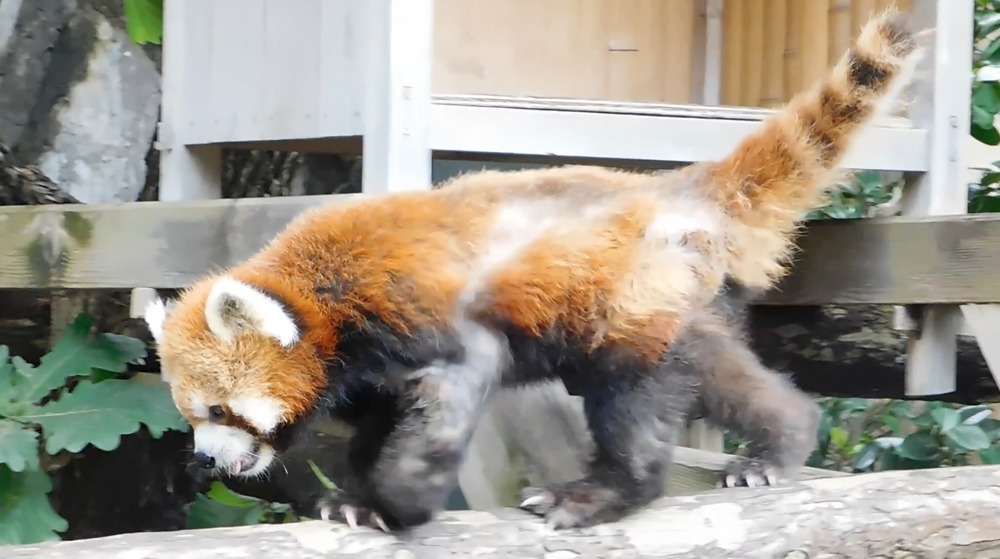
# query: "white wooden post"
{"type": "Point", "coordinates": [186, 172]}
{"type": "Point", "coordinates": [942, 106]}
{"type": "Point", "coordinates": [701, 434]}
{"type": "Point", "coordinates": [399, 69]}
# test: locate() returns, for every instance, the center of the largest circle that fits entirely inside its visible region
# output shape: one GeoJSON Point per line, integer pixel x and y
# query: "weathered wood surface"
{"type": "Point", "coordinates": [932, 514]}
{"type": "Point", "coordinates": [943, 259]}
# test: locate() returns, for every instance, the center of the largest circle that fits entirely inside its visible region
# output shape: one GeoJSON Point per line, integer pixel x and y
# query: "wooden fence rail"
{"type": "Point", "coordinates": [911, 260]}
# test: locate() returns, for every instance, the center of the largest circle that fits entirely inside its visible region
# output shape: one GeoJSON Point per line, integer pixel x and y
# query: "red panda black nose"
{"type": "Point", "coordinates": [203, 460]}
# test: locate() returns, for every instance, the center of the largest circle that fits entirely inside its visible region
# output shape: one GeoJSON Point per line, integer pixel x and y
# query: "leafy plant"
{"type": "Point", "coordinates": [144, 21]}
{"type": "Point", "coordinates": [72, 398]}
{"type": "Point", "coordinates": [221, 506]}
{"type": "Point", "coordinates": [986, 69]}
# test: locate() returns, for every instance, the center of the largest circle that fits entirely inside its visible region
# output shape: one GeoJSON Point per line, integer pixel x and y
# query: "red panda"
{"type": "Point", "coordinates": [402, 314]}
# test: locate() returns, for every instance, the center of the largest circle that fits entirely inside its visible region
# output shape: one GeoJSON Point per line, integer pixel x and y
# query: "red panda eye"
{"type": "Point", "coordinates": [216, 412]}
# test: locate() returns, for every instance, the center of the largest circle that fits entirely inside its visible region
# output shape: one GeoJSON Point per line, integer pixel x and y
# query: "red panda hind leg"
{"type": "Point", "coordinates": [739, 392]}
{"type": "Point", "coordinates": [634, 412]}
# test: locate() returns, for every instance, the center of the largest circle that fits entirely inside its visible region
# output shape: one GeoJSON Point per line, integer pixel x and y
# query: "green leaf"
{"type": "Point", "coordinates": [100, 413]}
{"type": "Point", "coordinates": [838, 436]}
{"type": "Point", "coordinates": [987, 135]}
{"type": "Point", "coordinates": [973, 415]}
{"type": "Point", "coordinates": [919, 446]}
{"type": "Point", "coordinates": [222, 507]}
{"type": "Point", "coordinates": [990, 455]}
{"type": "Point", "coordinates": [74, 354]}
{"type": "Point", "coordinates": [18, 446]}
{"type": "Point", "coordinates": [26, 516]}
{"type": "Point", "coordinates": [144, 20]}
{"type": "Point", "coordinates": [323, 480]}
{"type": "Point", "coordinates": [946, 418]}
{"type": "Point", "coordinates": [864, 459]}
{"type": "Point", "coordinates": [969, 437]}
{"type": "Point", "coordinates": [891, 421]}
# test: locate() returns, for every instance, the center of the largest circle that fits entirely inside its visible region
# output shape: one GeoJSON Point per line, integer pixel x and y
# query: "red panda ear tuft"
{"type": "Point", "coordinates": [233, 307]}
{"type": "Point", "coordinates": [154, 315]}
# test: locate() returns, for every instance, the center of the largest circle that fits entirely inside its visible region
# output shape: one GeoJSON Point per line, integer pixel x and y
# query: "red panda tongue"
{"type": "Point", "coordinates": [235, 467]}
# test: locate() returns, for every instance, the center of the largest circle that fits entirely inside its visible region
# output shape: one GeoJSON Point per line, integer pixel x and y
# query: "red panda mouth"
{"type": "Point", "coordinates": [243, 463]}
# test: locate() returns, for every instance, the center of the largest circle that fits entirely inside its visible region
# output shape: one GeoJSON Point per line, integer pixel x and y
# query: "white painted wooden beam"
{"type": "Point", "coordinates": [398, 70]}
{"type": "Point", "coordinates": [186, 172]}
{"type": "Point", "coordinates": [518, 131]}
{"type": "Point", "coordinates": [942, 106]}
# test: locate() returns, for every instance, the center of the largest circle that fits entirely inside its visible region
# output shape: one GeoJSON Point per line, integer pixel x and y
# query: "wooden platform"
{"type": "Point", "coordinates": [535, 129]}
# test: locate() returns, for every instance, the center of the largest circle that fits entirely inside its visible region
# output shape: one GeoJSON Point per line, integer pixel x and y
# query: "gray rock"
{"type": "Point", "coordinates": [103, 127]}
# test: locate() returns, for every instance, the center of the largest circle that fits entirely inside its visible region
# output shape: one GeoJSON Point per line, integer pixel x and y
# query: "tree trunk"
{"type": "Point", "coordinates": [927, 514]}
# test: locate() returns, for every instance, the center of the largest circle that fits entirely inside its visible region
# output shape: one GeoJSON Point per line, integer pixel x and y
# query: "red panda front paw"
{"type": "Point", "coordinates": [749, 472]}
{"type": "Point", "coordinates": [341, 508]}
{"type": "Point", "coordinates": [576, 504]}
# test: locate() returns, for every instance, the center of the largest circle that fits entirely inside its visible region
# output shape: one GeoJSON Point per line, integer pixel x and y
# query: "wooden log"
{"type": "Point", "coordinates": [947, 512]}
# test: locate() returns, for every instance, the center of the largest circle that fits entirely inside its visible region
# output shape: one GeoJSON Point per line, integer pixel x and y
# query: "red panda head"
{"type": "Point", "coordinates": [240, 369]}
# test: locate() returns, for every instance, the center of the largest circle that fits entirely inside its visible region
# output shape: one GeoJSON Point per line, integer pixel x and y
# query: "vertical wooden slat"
{"type": "Point", "coordinates": [815, 42]}
{"type": "Point", "coordinates": [732, 23]}
{"type": "Point", "coordinates": [793, 48]}
{"type": "Point", "coordinates": [861, 11]}
{"type": "Point", "coordinates": [839, 28]}
{"type": "Point", "coordinates": [772, 91]}
{"type": "Point", "coordinates": [680, 23]}
{"type": "Point", "coordinates": [753, 52]}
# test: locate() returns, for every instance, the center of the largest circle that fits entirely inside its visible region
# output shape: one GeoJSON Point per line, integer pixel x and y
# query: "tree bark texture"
{"type": "Point", "coordinates": [947, 513]}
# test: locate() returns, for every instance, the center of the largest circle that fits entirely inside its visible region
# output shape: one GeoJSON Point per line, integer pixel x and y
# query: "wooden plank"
{"type": "Point", "coordinates": [185, 172]}
{"type": "Point", "coordinates": [944, 259]}
{"type": "Point", "coordinates": [900, 260]}
{"type": "Point", "coordinates": [606, 137]}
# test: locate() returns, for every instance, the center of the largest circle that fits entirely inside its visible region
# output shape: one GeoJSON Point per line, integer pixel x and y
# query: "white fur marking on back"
{"type": "Point", "coordinates": [261, 412]}
{"type": "Point", "coordinates": [672, 226]}
{"type": "Point", "coordinates": [257, 311]}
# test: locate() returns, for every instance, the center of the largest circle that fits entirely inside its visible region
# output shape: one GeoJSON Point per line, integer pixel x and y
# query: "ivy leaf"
{"type": "Point", "coordinates": [18, 446]}
{"type": "Point", "coordinates": [864, 459]}
{"type": "Point", "coordinates": [990, 455]}
{"type": "Point", "coordinates": [144, 21]}
{"type": "Point", "coordinates": [26, 516]}
{"type": "Point", "coordinates": [973, 415]}
{"type": "Point", "coordinates": [74, 354]}
{"type": "Point", "coordinates": [946, 418]}
{"type": "Point", "coordinates": [919, 446]}
{"type": "Point", "coordinates": [969, 437]}
{"type": "Point", "coordinates": [100, 413]}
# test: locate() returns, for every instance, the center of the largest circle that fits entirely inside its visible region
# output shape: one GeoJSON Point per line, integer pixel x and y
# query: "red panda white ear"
{"type": "Point", "coordinates": [233, 307]}
{"type": "Point", "coordinates": [154, 315]}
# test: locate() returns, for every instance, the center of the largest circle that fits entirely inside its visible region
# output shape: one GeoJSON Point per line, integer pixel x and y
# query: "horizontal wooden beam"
{"type": "Point", "coordinates": [561, 136]}
{"type": "Point", "coordinates": [560, 131]}
{"type": "Point", "coordinates": [949, 259]}
{"type": "Point", "coordinates": [898, 260]}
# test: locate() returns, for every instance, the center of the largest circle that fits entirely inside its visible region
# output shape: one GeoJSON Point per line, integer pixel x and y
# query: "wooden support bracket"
{"type": "Point", "coordinates": [943, 107]}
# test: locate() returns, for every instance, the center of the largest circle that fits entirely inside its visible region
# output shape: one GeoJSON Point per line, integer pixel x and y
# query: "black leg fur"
{"type": "Point", "coordinates": [634, 420]}
{"type": "Point", "coordinates": [373, 417]}
{"type": "Point", "coordinates": [741, 393]}
{"type": "Point", "coordinates": [411, 468]}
